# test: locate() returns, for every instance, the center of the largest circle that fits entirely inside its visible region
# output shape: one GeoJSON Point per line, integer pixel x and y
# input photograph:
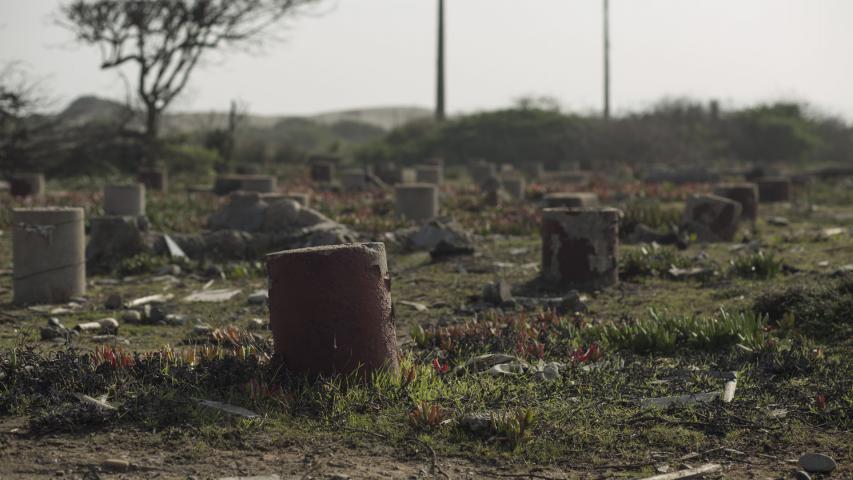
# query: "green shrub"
{"type": "Point", "coordinates": [820, 310]}
{"type": "Point", "coordinates": [757, 266]}
{"type": "Point", "coordinates": [664, 333]}
{"type": "Point", "coordinates": [644, 262]}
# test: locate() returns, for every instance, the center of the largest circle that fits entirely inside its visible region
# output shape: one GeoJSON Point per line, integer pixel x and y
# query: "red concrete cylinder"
{"type": "Point", "coordinates": [154, 180]}
{"type": "Point", "coordinates": [771, 190]}
{"type": "Point", "coordinates": [330, 309]}
{"type": "Point", "coordinates": [580, 247]}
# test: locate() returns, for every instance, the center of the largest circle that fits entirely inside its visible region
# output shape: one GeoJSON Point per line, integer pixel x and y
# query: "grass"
{"type": "Point", "coordinates": [757, 266]}
{"type": "Point", "coordinates": [787, 336]}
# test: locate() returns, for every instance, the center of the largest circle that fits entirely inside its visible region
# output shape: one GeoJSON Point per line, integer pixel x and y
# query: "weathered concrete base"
{"type": "Point", "coordinates": [744, 193]}
{"type": "Point", "coordinates": [354, 179]}
{"type": "Point", "coordinates": [580, 247]}
{"type": "Point", "coordinates": [571, 200]}
{"type": "Point", "coordinates": [432, 174]}
{"type": "Point", "coordinates": [712, 218]}
{"type": "Point", "coordinates": [114, 237]}
{"type": "Point", "coordinates": [322, 172]}
{"type": "Point", "coordinates": [330, 310]}
{"type": "Point", "coordinates": [27, 185]}
{"type": "Point", "coordinates": [154, 180]}
{"type": "Point", "coordinates": [480, 171]}
{"type": "Point", "coordinates": [417, 201]}
{"type": "Point", "coordinates": [515, 186]}
{"type": "Point", "coordinates": [48, 248]}
{"type": "Point", "coordinates": [774, 190]}
{"type": "Point", "coordinates": [124, 199]}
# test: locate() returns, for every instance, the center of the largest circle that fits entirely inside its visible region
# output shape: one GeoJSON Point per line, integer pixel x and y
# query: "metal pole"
{"type": "Point", "coordinates": [439, 95]}
{"type": "Point", "coordinates": [606, 59]}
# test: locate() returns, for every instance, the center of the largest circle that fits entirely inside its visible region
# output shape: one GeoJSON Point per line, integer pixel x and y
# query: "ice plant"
{"type": "Point", "coordinates": [589, 355]}
{"type": "Point", "coordinates": [441, 369]}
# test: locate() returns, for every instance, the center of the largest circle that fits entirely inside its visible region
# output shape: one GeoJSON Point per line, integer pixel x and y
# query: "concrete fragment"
{"type": "Point", "coordinates": [429, 174]}
{"type": "Point", "coordinates": [114, 238]}
{"type": "Point", "coordinates": [213, 296]}
{"type": "Point", "coordinates": [744, 193]}
{"type": "Point", "coordinates": [712, 218]}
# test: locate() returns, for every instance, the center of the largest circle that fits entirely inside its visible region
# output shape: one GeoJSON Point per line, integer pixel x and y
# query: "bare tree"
{"type": "Point", "coordinates": [21, 100]}
{"type": "Point", "coordinates": [165, 39]}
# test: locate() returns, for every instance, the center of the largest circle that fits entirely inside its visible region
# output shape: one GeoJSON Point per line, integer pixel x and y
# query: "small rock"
{"type": "Point", "coordinates": [215, 271]}
{"type": "Point", "coordinates": [817, 463]}
{"type": "Point", "coordinates": [116, 464]}
{"type": "Point", "coordinates": [200, 330]}
{"type": "Point", "coordinates": [168, 270]}
{"type": "Point", "coordinates": [131, 316]}
{"type": "Point", "coordinates": [801, 475]}
{"type": "Point", "coordinates": [258, 297]}
{"type": "Point", "coordinates": [175, 319]}
{"type": "Point", "coordinates": [157, 314]}
{"type": "Point", "coordinates": [257, 324]}
{"type": "Point", "coordinates": [497, 293]}
{"type": "Point", "coordinates": [778, 221]}
{"type": "Point", "coordinates": [114, 302]}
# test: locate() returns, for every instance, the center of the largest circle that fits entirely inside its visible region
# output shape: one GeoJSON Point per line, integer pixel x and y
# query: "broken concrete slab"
{"type": "Point", "coordinates": [712, 218]}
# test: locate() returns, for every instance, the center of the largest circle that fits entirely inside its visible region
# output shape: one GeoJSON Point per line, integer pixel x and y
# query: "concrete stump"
{"type": "Point", "coordinates": [124, 199]}
{"type": "Point", "coordinates": [48, 251]}
{"type": "Point", "coordinates": [429, 174]}
{"type": "Point", "coordinates": [571, 200]}
{"type": "Point", "coordinates": [353, 179]}
{"type": "Point", "coordinates": [744, 193]}
{"type": "Point", "coordinates": [322, 172]}
{"type": "Point", "coordinates": [482, 171]}
{"type": "Point", "coordinates": [115, 237]}
{"type": "Point", "coordinates": [417, 201]}
{"type": "Point", "coordinates": [303, 199]}
{"type": "Point", "coordinates": [772, 190]}
{"type": "Point", "coordinates": [154, 180]}
{"type": "Point", "coordinates": [580, 247]}
{"type": "Point", "coordinates": [514, 186]}
{"type": "Point", "coordinates": [258, 183]}
{"type": "Point", "coordinates": [712, 218]}
{"type": "Point", "coordinates": [330, 309]}
{"type": "Point", "coordinates": [27, 185]}
{"type": "Point", "coordinates": [225, 184]}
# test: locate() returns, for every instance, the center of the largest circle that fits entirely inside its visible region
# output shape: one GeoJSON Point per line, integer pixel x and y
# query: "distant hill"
{"type": "Point", "coordinates": [91, 108]}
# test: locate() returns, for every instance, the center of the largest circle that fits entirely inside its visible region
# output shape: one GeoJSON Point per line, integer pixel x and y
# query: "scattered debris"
{"type": "Point", "coordinates": [258, 324]}
{"type": "Point", "coordinates": [417, 306]}
{"type": "Point", "coordinates": [726, 395]}
{"type": "Point", "coordinates": [99, 403]}
{"type": "Point", "coordinates": [214, 296]}
{"type": "Point", "coordinates": [228, 408]}
{"type": "Point", "coordinates": [778, 221]}
{"type": "Point", "coordinates": [115, 465]}
{"type": "Point", "coordinates": [104, 326]}
{"type": "Point", "coordinates": [173, 249]}
{"type": "Point", "coordinates": [497, 293]}
{"type": "Point", "coordinates": [158, 298]}
{"type": "Point", "coordinates": [689, 472]}
{"type": "Point", "coordinates": [258, 297]}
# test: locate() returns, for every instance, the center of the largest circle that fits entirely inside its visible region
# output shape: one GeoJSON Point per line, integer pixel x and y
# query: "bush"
{"type": "Point", "coordinates": [757, 266]}
{"type": "Point", "coordinates": [821, 310]}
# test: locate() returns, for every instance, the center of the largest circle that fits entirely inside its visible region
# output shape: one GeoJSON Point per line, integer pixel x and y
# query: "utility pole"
{"type": "Point", "coordinates": [606, 59]}
{"type": "Point", "coordinates": [439, 94]}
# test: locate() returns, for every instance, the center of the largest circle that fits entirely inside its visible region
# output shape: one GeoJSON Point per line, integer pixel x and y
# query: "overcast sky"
{"type": "Point", "coordinates": [382, 52]}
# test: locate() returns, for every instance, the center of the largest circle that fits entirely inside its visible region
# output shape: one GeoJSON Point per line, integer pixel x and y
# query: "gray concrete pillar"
{"type": "Point", "coordinates": [48, 252]}
{"type": "Point", "coordinates": [744, 193]}
{"type": "Point", "coordinates": [417, 201]}
{"type": "Point", "coordinates": [124, 199]}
